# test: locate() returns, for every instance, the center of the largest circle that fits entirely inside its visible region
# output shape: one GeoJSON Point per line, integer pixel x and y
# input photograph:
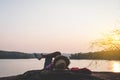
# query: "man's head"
{"type": "Point", "coordinates": [61, 62]}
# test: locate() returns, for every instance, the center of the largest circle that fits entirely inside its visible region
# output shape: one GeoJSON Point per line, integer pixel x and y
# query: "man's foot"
{"type": "Point", "coordinates": [54, 54]}
{"type": "Point", "coordinates": [38, 56]}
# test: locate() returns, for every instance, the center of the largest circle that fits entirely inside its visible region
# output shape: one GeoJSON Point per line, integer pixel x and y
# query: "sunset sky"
{"type": "Point", "coordinates": [68, 26]}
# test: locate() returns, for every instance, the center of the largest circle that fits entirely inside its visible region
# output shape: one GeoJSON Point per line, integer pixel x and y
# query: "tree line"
{"type": "Point", "coordinates": [102, 55]}
{"type": "Point", "coordinates": [14, 55]}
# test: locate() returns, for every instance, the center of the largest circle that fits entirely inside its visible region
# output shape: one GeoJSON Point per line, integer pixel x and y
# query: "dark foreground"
{"type": "Point", "coordinates": [63, 75]}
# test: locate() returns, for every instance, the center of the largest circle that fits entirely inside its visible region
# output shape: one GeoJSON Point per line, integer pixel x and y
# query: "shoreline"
{"type": "Point", "coordinates": [107, 75]}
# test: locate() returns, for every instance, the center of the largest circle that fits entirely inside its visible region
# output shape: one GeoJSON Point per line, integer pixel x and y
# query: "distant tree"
{"type": "Point", "coordinates": [110, 41]}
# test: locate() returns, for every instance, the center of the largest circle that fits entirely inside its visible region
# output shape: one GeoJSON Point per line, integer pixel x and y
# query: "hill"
{"type": "Point", "coordinates": [14, 55]}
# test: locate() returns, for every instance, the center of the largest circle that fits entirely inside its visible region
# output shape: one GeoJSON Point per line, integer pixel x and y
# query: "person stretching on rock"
{"type": "Point", "coordinates": [60, 62]}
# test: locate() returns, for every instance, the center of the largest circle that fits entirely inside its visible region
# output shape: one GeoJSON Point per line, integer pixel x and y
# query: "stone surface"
{"type": "Point", "coordinates": [63, 75]}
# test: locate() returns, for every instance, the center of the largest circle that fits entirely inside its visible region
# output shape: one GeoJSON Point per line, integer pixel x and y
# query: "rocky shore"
{"type": "Point", "coordinates": [63, 75]}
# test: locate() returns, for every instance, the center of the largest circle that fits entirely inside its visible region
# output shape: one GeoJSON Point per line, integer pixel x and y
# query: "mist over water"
{"type": "Point", "coordinates": [10, 67]}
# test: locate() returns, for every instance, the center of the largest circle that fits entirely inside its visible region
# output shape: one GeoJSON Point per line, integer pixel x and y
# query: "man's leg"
{"type": "Point", "coordinates": [54, 54]}
{"type": "Point", "coordinates": [39, 56]}
{"type": "Point", "coordinates": [48, 58]}
{"type": "Point", "coordinates": [48, 61]}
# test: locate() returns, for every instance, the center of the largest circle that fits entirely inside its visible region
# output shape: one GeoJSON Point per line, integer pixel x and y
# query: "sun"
{"type": "Point", "coordinates": [109, 41]}
{"type": "Point", "coordinates": [116, 39]}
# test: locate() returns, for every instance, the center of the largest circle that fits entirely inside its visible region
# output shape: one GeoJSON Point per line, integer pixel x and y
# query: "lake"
{"type": "Point", "coordinates": [10, 67]}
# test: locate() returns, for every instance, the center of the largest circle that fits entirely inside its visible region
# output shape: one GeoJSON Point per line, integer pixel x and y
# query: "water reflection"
{"type": "Point", "coordinates": [19, 66]}
{"type": "Point", "coordinates": [116, 66]}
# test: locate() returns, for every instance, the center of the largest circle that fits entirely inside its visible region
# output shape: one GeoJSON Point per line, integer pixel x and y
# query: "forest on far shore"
{"type": "Point", "coordinates": [14, 55]}
{"type": "Point", "coordinates": [100, 55]}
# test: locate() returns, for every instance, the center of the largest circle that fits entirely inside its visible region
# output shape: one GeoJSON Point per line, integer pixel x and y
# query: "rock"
{"type": "Point", "coordinates": [63, 75]}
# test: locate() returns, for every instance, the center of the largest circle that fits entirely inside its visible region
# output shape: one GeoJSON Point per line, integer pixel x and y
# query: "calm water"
{"type": "Point", "coordinates": [9, 67]}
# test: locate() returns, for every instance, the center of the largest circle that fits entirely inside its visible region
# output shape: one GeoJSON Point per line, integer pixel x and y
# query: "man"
{"type": "Point", "coordinates": [60, 62]}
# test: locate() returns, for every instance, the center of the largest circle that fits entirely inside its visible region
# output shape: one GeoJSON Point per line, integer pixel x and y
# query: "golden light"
{"type": "Point", "coordinates": [116, 67]}
{"type": "Point", "coordinates": [116, 38]}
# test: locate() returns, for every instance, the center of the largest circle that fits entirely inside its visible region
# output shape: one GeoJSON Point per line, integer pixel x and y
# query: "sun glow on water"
{"type": "Point", "coordinates": [116, 67]}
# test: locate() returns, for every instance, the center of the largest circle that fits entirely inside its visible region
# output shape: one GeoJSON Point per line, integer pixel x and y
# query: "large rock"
{"type": "Point", "coordinates": [62, 75]}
